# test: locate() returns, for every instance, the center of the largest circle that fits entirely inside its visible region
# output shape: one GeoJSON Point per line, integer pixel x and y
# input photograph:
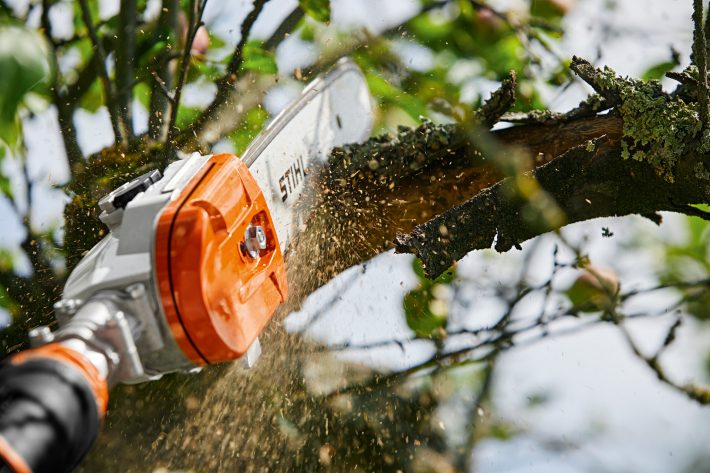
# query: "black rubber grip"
{"type": "Point", "coordinates": [48, 414]}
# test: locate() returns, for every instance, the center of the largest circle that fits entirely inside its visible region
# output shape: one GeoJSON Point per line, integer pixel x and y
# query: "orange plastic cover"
{"type": "Point", "coordinates": [217, 299]}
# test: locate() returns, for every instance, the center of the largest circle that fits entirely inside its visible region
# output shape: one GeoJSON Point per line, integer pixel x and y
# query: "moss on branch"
{"type": "Point", "coordinates": [658, 128]}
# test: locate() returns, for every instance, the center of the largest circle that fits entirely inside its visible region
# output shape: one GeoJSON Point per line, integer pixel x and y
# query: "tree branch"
{"type": "Point", "coordinates": [499, 103]}
{"type": "Point", "coordinates": [228, 83]}
{"type": "Point", "coordinates": [472, 429]}
{"type": "Point", "coordinates": [701, 60]}
{"type": "Point", "coordinates": [111, 103]}
{"type": "Point", "coordinates": [284, 29]}
{"type": "Point", "coordinates": [586, 182]}
{"type": "Point", "coordinates": [594, 179]}
{"type": "Point", "coordinates": [197, 8]}
{"type": "Point", "coordinates": [65, 109]}
{"type": "Point", "coordinates": [125, 69]}
{"type": "Point", "coordinates": [160, 99]}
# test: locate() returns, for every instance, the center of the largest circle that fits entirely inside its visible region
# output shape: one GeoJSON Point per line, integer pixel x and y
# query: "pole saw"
{"type": "Point", "coordinates": [189, 275]}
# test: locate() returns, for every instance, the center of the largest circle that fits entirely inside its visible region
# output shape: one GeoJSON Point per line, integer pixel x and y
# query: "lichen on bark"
{"type": "Point", "coordinates": [658, 129]}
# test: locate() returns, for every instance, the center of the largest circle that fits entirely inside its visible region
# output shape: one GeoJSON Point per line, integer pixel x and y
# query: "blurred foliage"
{"type": "Point", "coordinates": [595, 289]}
{"type": "Point", "coordinates": [689, 259]}
{"type": "Point", "coordinates": [426, 307]}
{"type": "Point", "coordinates": [254, 121]}
{"type": "Point", "coordinates": [658, 71]}
{"type": "Point", "coordinates": [318, 9]}
{"type": "Point", "coordinates": [256, 58]}
{"type": "Point", "coordinates": [24, 67]}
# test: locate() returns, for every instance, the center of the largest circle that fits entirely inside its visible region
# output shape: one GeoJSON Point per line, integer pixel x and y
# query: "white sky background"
{"type": "Point", "coordinates": [601, 398]}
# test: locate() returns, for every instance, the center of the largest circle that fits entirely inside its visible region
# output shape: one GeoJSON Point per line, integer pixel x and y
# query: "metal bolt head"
{"type": "Point", "coordinates": [66, 307]}
{"type": "Point", "coordinates": [41, 335]}
{"type": "Point", "coordinates": [254, 240]}
{"type": "Point", "coordinates": [135, 291]}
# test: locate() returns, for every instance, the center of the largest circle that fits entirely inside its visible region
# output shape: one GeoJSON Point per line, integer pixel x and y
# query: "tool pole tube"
{"type": "Point", "coordinates": [52, 401]}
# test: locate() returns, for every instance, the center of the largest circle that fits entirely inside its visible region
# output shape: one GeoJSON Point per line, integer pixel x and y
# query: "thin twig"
{"type": "Point", "coordinates": [103, 74]}
{"type": "Point", "coordinates": [65, 108]}
{"type": "Point", "coordinates": [226, 84]}
{"type": "Point", "coordinates": [238, 56]}
{"type": "Point", "coordinates": [475, 414]}
{"type": "Point", "coordinates": [161, 100]}
{"type": "Point", "coordinates": [284, 29]}
{"type": "Point", "coordinates": [124, 67]}
{"type": "Point", "coordinates": [197, 8]}
{"type": "Point", "coordinates": [161, 87]}
{"type": "Point", "coordinates": [694, 392]}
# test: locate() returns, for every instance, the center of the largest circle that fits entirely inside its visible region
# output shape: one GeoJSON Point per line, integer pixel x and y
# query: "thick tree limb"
{"type": "Point", "coordinates": [654, 161]}
{"type": "Point", "coordinates": [586, 182]}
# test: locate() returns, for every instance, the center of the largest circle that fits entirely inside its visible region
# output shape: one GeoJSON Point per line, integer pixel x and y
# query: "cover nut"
{"type": "Point", "coordinates": [254, 240]}
{"type": "Point", "coordinates": [41, 335]}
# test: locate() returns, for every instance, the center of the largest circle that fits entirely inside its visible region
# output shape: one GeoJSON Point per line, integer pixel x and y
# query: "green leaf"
{"type": "Point", "coordinates": [205, 69]}
{"type": "Point", "coordinates": [93, 99]}
{"type": "Point", "coordinates": [389, 94]}
{"type": "Point", "coordinates": [6, 260]}
{"type": "Point", "coordinates": [253, 123]}
{"type": "Point", "coordinates": [186, 116]}
{"type": "Point", "coordinates": [142, 92]}
{"type": "Point", "coordinates": [420, 309]}
{"type": "Point", "coordinates": [317, 9]}
{"type": "Point", "coordinates": [698, 304]}
{"type": "Point", "coordinates": [426, 312]}
{"type": "Point", "coordinates": [24, 65]}
{"type": "Point", "coordinates": [594, 290]}
{"type": "Point", "coordinates": [657, 71]}
{"type": "Point", "coordinates": [258, 59]}
{"type": "Point", "coordinates": [308, 32]}
{"type": "Point", "coordinates": [5, 186]}
{"type": "Point", "coordinates": [548, 9]}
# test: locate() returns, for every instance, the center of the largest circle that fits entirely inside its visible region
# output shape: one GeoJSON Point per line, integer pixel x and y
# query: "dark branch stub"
{"type": "Point", "coordinates": [501, 101]}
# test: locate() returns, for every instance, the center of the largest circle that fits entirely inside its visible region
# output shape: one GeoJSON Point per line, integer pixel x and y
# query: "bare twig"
{"type": "Point", "coordinates": [284, 29]}
{"type": "Point", "coordinates": [124, 64]}
{"type": "Point", "coordinates": [161, 99]}
{"type": "Point", "coordinates": [65, 109]}
{"type": "Point", "coordinates": [197, 9]}
{"type": "Point", "coordinates": [111, 103]}
{"type": "Point", "coordinates": [475, 417]}
{"type": "Point", "coordinates": [693, 391]}
{"type": "Point", "coordinates": [238, 56]}
{"type": "Point", "coordinates": [227, 83]}
{"type": "Point", "coordinates": [161, 87]}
